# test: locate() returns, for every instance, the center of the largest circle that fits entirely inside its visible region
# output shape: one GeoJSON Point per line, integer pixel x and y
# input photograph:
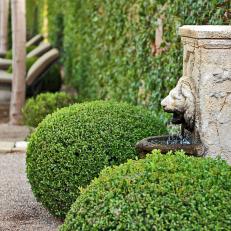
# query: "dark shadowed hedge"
{"type": "Point", "coordinates": [71, 146]}
{"type": "Point", "coordinates": [161, 192]}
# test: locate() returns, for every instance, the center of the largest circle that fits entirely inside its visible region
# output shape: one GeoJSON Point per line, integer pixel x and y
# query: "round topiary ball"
{"type": "Point", "coordinates": [71, 146]}
{"type": "Point", "coordinates": [36, 109]}
{"type": "Point", "coordinates": [161, 192]}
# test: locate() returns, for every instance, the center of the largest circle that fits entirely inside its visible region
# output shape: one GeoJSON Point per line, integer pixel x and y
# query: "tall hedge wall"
{"type": "Point", "coordinates": [34, 17]}
{"type": "Point", "coordinates": [107, 44]}
{"type": "Point", "coordinates": [35, 12]}
{"type": "Point", "coordinates": [56, 22]}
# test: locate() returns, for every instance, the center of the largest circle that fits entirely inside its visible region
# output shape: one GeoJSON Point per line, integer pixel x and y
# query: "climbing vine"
{"type": "Point", "coordinates": [108, 44]}
{"type": "Point", "coordinates": [56, 22]}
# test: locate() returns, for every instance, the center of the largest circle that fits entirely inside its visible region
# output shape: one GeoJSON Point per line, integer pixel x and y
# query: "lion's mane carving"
{"type": "Point", "coordinates": [181, 102]}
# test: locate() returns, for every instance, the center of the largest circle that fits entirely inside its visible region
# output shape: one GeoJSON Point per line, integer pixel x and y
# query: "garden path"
{"type": "Point", "coordinates": [19, 210]}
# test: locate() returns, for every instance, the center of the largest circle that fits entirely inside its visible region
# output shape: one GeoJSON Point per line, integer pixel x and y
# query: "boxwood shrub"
{"type": "Point", "coordinates": [70, 147]}
{"type": "Point", "coordinates": [161, 192]}
{"type": "Point", "coordinates": [36, 109]}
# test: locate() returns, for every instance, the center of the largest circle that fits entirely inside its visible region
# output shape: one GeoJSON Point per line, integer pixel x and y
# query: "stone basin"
{"type": "Point", "coordinates": [166, 144]}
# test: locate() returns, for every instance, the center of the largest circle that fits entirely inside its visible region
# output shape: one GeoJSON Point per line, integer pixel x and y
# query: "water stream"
{"type": "Point", "coordinates": [178, 137]}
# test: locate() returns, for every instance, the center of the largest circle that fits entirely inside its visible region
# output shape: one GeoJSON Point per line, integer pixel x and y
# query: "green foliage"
{"type": "Point", "coordinates": [30, 48]}
{"type": "Point", "coordinates": [9, 54]}
{"type": "Point", "coordinates": [9, 31]}
{"type": "Point", "coordinates": [56, 22]}
{"type": "Point", "coordinates": [107, 45]}
{"type": "Point", "coordinates": [29, 62]}
{"type": "Point", "coordinates": [40, 10]}
{"type": "Point", "coordinates": [32, 15]}
{"type": "Point", "coordinates": [71, 147]}
{"type": "Point", "coordinates": [36, 109]}
{"type": "Point", "coordinates": [10, 69]}
{"type": "Point", "coordinates": [161, 192]}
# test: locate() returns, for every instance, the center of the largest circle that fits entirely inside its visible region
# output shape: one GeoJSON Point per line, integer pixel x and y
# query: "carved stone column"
{"type": "Point", "coordinates": [207, 60]}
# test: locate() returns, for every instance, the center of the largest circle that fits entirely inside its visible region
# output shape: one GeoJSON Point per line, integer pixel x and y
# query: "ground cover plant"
{"type": "Point", "coordinates": [161, 192]}
{"type": "Point", "coordinates": [70, 147]}
{"type": "Point", "coordinates": [37, 108]}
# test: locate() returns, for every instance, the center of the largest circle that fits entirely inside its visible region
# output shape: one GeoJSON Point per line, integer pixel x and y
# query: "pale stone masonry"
{"type": "Point", "coordinates": [207, 61]}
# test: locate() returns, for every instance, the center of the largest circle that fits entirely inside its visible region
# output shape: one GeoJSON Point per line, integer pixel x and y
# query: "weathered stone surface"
{"type": "Point", "coordinates": [41, 65]}
{"type": "Point", "coordinates": [207, 94]}
{"type": "Point", "coordinates": [206, 31]}
{"type": "Point", "coordinates": [181, 101]}
{"type": "Point", "coordinates": [35, 40]}
{"type": "Point", "coordinates": [40, 50]}
{"type": "Point", "coordinates": [20, 146]}
{"type": "Point", "coordinates": [6, 147]}
{"type": "Point", "coordinates": [12, 133]}
{"type": "Point", "coordinates": [207, 60]}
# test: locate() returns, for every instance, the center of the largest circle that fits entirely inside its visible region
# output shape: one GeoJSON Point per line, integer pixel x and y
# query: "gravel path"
{"type": "Point", "coordinates": [19, 210]}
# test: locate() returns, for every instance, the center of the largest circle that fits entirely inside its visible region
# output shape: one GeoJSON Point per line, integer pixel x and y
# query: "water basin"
{"type": "Point", "coordinates": [169, 143]}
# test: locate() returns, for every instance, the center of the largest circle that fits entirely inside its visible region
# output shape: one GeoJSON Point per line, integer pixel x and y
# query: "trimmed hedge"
{"type": "Point", "coordinates": [32, 18]}
{"type": "Point", "coordinates": [40, 10]}
{"type": "Point", "coordinates": [56, 22]}
{"type": "Point", "coordinates": [107, 44]}
{"type": "Point", "coordinates": [161, 192]}
{"type": "Point", "coordinates": [35, 13]}
{"type": "Point", "coordinates": [71, 146]}
{"type": "Point", "coordinates": [36, 109]}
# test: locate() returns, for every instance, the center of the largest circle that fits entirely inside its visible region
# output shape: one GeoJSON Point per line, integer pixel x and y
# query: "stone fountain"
{"type": "Point", "coordinates": [201, 100]}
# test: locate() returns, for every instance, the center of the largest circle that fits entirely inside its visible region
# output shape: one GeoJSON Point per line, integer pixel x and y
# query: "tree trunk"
{"type": "Point", "coordinates": [19, 58]}
{"type": "Point", "coordinates": [4, 14]}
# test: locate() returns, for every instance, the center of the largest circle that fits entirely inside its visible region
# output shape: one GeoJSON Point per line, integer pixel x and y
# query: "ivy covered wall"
{"type": "Point", "coordinates": [34, 17]}
{"type": "Point", "coordinates": [107, 45]}
{"type": "Point", "coordinates": [55, 14]}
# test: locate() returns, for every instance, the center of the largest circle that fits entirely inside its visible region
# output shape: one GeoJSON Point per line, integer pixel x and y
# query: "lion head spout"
{"type": "Point", "coordinates": [181, 102]}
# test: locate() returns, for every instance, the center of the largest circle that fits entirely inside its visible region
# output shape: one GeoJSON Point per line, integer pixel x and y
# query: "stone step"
{"type": "Point", "coordinates": [13, 133]}
{"type": "Point", "coordinates": [4, 113]}
{"type": "Point", "coordinates": [10, 147]}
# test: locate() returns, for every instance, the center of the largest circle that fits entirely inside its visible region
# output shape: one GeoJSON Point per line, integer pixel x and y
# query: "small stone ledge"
{"type": "Point", "coordinates": [206, 32]}
{"type": "Point", "coordinates": [12, 147]}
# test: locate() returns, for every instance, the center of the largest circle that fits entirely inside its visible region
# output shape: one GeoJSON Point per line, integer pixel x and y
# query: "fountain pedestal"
{"type": "Point", "coordinates": [207, 61]}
